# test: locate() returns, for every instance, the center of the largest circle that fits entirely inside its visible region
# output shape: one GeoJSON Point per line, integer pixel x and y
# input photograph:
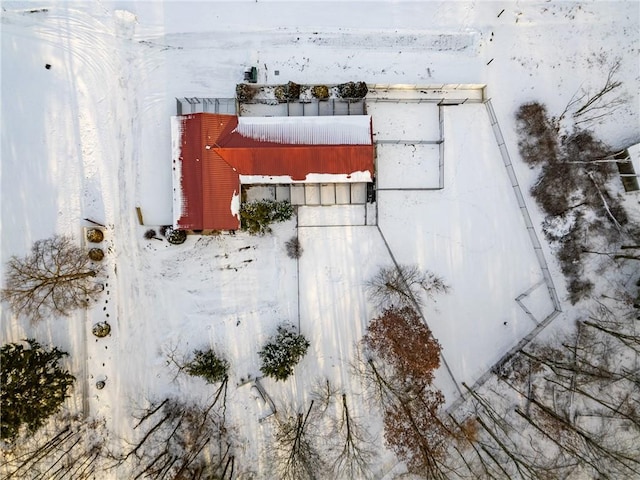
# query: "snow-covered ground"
{"type": "Point", "coordinates": [90, 138]}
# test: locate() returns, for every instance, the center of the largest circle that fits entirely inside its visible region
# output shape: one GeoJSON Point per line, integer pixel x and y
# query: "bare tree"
{"type": "Point", "coordinates": [577, 404]}
{"type": "Point", "coordinates": [297, 456]}
{"type": "Point", "coordinates": [181, 440]}
{"type": "Point", "coordinates": [354, 451]}
{"type": "Point", "coordinates": [404, 286]}
{"type": "Point", "coordinates": [346, 436]}
{"type": "Point", "coordinates": [587, 105]}
{"type": "Point", "coordinates": [594, 106]}
{"type": "Point", "coordinates": [67, 447]}
{"type": "Point", "coordinates": [54, 279]}
{"type": "Point", "coordinates": [411, 415]}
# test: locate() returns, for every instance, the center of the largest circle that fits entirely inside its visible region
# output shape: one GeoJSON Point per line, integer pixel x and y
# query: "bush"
{"type": "Point", "coordinates": [280, 92]}
{"type": "Point", "coordinates": [581, 146]}
{"type": "Point", "coordinates": [556, 187]}
{"type": "Point", "coordinates": [287, 93]}
{"type": "Point", "coordinates": [95, 235]}
{"type": "Point", "coordinates": [579, 288]}
{"type": "Point", "coordinates": [96, 254]}
{"type": "Point", "coordinates": [538, 142]}
{"type": "Point", "coordinates": [321, 92]}
{"type": "Point", "coordinates": [208, 365]}
{"type": "Point", "coordinates": [173, 236]}
{"type": "Point", "coordinates": [245, 92]}
{"type": "Point", "coordinates": [353, 90]}
{"type": "Point", "coordinates": [294, 249]}
{"type": "Point", "coordinates": [293, 91]}
{"type": "Point", "coordinates": [255, 217]}
{"type": "Point", "coordinates": [282, 353]}
{"type": "Point", "coordinates": [101, 329]}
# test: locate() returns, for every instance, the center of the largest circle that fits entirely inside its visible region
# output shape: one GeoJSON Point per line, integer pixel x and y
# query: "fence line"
{"type": "Point", "coordinates": [441, 147]}
{"type": "Point", "coordinates": [548, 280]}
{"type": "Point", "coordinates": [506, 158]}
{"type": "Point", "coordinates": [419, 310]}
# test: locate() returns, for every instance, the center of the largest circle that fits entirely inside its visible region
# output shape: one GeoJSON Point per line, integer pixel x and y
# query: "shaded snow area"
{"type": "Point", "coordinates": [90, 138]}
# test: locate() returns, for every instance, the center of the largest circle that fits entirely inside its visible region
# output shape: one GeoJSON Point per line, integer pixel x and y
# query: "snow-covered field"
{"type": "Point", "coordinates": [90, 138]}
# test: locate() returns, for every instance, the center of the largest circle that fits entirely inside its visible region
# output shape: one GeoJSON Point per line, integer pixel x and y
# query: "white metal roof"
{"type": "Point", "coordinates": [329, 130]}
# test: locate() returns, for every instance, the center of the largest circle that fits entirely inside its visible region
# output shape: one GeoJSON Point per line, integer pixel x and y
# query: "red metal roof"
{"type": "Point", "coordinates": [207, 182]}
{"type": "Point", "coordinates": [298, 161]}
{"type": "Point", "coordinates": [212, 157]}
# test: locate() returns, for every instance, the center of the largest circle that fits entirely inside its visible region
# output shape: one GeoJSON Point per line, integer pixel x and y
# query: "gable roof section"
{"type": "Point", "coordinates": [299, 147]}
{"type": "Point", "coordinates": [331, 130]}
{"type": "Point", "coordinates": [204, 184]}
{"type": "Point", "coordinates": [211, 151]}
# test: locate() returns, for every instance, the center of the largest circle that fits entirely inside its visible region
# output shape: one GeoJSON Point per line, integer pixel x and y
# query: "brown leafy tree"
{"type": "Point", "coordinates": [400, 338]}
{"type": "Point", "coordinates": [413, 428]}
{"type": "Point", "coordinates": [54, 279]}
{"type": "Point", "coordinates": [403, 355]}
{"type": "Point", "coordinates": [416, 434]}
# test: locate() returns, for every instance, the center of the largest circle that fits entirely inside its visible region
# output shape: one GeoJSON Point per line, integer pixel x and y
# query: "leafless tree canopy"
{"type": "Point", "coordinates": [342, 432]}
{"type": "Point", "coordinates": [404, 286]}
{"type": "Point", "coordinates": [354, 445]}
{"type": "Point", "coordinates": [54, 279]}
{"type": "Point", "coordinates": [181, 441]}
{"type": "Point", "coordinates": [67, 447]}
{"type": "Point", "coordinates": [589, 106]}
{"type": "Point", "coordinates": [297, 453]}
{"type": "Point", "coordinates": [564, 410]}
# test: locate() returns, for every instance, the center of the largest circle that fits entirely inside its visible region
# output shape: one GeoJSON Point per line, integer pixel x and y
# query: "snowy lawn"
{"type": "Point", "coordinates": [472, 234]}
{"type": "Point", "coordinates": [90, 138]}
{"type": "Point", "coordinates": [419, 165]}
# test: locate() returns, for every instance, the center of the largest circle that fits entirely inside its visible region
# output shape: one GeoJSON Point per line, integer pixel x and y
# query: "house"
{"type": "Point", "coordinates": [214, 154]}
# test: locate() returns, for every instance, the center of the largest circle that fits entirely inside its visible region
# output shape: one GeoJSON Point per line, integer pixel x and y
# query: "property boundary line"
{"type": "Point", "coordinates": [441, 152]}
{"type": "Point", "coordinates": [548, 280]}
{"type": "Point", "coordinates": [395, 263]}
{"type": "Point", "coordinates": [533, 236]}
{"type": "Point", "coordinates": [441, 102]}
{"type": "Point", "coordinates": [523, 295]}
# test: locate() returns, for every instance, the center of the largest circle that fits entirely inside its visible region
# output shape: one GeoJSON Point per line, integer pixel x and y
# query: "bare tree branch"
{"type": "Point", "coordinates": [54, 279]}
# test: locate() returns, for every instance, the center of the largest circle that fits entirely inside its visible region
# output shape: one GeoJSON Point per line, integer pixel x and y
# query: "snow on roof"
{"type": "Point", "coordinates": [176, 150]}
{"type": "Point", "coordinates": [329, 130]}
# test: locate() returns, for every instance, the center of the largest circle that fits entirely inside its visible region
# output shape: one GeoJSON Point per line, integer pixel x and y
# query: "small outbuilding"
{"type": "Point", "coordinates": [628, 162]}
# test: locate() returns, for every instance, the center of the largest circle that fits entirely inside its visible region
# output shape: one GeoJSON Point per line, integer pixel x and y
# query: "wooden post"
{"type": "Point", "coordinates": [139, 212]}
